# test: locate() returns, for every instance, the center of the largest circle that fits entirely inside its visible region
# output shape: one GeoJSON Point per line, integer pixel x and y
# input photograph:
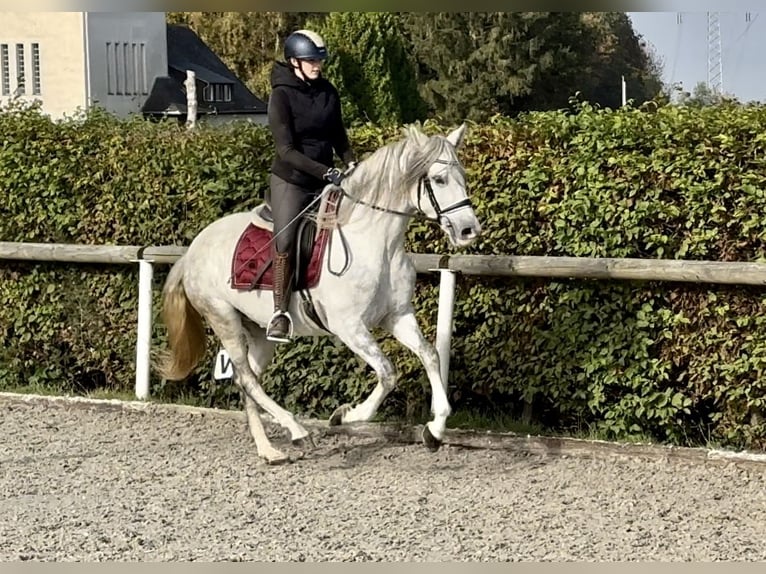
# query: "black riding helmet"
{"type": "Point", "coordinates": [305, 45]}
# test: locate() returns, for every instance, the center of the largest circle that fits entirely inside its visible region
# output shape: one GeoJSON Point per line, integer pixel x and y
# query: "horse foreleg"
{"type": "Point", "coordinates": [406, 330]}
{"type": "Point", "coordinates": [364, 345]}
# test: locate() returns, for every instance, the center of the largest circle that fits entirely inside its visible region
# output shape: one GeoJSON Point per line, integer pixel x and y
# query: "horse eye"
{"type": "Point", "coordinates": [439, 180]}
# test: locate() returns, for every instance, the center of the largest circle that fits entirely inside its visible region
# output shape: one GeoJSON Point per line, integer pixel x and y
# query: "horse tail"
{"type": "Point", "coordinates": [186, 332]}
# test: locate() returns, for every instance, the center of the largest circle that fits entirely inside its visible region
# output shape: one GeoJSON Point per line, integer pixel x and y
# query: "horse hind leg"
{"type": "Point", "coordinates": [260, 354]}
{"type": "Point", "coordinates": [227, 325]}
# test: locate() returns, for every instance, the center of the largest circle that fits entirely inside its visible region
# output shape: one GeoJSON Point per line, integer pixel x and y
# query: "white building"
{"type": "Point", "coordinates": [115, 60]}
{"type": "Point", "coordinates": [71, 60]}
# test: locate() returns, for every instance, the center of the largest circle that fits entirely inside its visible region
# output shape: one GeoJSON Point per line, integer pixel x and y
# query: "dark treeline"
{"type": "Point", "coordinates": [407, 66]}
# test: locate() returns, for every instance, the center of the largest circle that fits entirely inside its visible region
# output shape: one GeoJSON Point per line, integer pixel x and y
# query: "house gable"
{"type": "Point", "coordinates": [219, 91]}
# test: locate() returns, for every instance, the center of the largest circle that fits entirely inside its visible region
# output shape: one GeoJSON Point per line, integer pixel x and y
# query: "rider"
{"type": "Point", "coordinates": [306, 123]}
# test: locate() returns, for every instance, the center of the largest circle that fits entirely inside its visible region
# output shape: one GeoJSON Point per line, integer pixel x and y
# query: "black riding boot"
{"type": "Point", "coordinates": [280, 327]}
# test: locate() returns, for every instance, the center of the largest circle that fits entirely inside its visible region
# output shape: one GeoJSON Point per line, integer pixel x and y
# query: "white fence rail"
{"type": "Point", "coordinates": [631, 269]}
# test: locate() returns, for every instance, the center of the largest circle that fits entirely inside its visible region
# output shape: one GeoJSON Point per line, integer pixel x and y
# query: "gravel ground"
{"type": "Point", "coordinates": [91, 484]}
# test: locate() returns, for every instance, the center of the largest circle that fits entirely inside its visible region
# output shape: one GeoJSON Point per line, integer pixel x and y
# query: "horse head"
{"type": "Point", "coordinates": [440, 191]}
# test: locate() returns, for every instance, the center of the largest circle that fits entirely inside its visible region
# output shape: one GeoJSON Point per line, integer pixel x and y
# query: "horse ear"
{"type": "Point", "coordinates": [456, 136]}
{"type": "Point", "coordinates": [420, 137]}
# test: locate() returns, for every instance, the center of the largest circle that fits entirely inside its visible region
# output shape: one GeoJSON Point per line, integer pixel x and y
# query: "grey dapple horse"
{"type": "Point", "coordinates": [417, 176]}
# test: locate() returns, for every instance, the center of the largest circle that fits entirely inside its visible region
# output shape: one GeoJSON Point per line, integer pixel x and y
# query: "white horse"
{"type": "Point", "coordinates": [371, 283]}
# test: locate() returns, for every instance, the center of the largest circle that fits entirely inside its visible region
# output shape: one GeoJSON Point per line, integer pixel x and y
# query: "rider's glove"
{"type": "Point", "coordinates": [334, 176]}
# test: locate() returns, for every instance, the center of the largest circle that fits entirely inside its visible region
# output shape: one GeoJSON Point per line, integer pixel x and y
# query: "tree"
{"type": "Point", "coordinates": [616, 52]}
{"type": "Point", "coordinates": [475, 64]}
{"type": "Point", "coordinates": [247, 42]}
{"type": "Point", "coordinates": [702, 95]}
{"type": "Point", "coordinates": [479, 64]}
{"type": "Point", "coordinates": [560, 50]}
{"type": "Point", "coordinates": [371, 66]}
{"type": "Point", "coordinates": [401, 67]}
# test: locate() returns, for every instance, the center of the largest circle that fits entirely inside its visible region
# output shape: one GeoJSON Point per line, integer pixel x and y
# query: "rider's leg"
{"type": "Point", "coordinates": [287, 202]}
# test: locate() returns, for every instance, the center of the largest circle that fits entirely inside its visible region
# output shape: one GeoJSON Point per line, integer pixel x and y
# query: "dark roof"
{"type": "Point", "coordinates": [186, 51]}
{"type": "Point", "coordinates": [167, 97]}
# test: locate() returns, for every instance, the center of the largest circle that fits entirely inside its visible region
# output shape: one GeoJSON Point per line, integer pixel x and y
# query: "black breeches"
{"type": "Point", "coordinates": [287, 202]}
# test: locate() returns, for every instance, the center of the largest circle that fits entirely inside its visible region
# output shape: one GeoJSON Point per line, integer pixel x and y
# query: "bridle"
{"type": "Point", "coordinates": [423, 183]}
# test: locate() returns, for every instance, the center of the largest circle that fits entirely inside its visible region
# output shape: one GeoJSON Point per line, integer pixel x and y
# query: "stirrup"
{"type": "Point", "coordinates": [289, 336]}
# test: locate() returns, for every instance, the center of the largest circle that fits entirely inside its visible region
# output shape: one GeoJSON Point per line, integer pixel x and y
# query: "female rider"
{"type": "Point", "coordinates": [305, 121]}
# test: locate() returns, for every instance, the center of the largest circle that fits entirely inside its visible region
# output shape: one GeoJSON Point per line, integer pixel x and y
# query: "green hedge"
{"type": "Point", "coordinates": [679, 363]}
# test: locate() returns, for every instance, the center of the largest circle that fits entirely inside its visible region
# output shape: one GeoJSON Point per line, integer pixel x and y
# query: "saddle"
{"type": "Point", "coordinates": [252, 262]}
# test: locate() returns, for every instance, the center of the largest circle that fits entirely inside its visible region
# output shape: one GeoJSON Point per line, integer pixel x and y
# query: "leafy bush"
{"type": "Point", "coordinates": [680, 363]}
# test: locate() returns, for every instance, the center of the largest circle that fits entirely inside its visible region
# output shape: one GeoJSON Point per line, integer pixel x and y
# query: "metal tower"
{"type": "Point", "coordinates": [714, 52]}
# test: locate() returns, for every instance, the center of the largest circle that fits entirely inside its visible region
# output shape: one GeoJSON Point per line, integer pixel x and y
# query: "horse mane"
{"type": "Point", "coordinates": [385, 177]}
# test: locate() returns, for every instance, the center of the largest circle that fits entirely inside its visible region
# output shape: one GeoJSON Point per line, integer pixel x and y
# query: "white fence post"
{"type": "Point", "coordinates": [444, 321]}
{"type": "Point", "coordinates": [144, 334]}
{"type": "Point", "coordinates": [624, 92]}
{"type": "Point", "coordinates": [191, 99]}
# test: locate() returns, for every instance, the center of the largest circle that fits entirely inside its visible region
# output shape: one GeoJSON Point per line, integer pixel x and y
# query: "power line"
{"type": "Point", "coordinates": [714, 48]}
{"type": "Point", "coordinates": [750, 21]}
{"type": "Point", "coordinates": [679, 29]}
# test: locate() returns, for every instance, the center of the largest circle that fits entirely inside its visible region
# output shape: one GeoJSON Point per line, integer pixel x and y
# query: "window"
{"type": "Point", "coordinates": [109, 69]}
{"type": "Point", "coordinates": [127, 55]}
{"type": "Point", "coordinates": [118, 78]}
{"type": "Point", "coordinates": [217, 93]}
{"type": "Point", "coordinates": [36, 69]}
{"type": "Point", "coordinates": [126, 68]}
{"type": "Point", "coordinates": [19, 70]}
{"type": "Point", "coordinates": [20, 77]}
{"type": "Point", "coordinates": [141, 69]}
{"type": "Point", "coordinates": [5, 71]}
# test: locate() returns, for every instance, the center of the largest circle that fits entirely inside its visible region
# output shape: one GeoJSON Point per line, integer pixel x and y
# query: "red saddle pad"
{"type": "Point", "coordinates": [251, 266]}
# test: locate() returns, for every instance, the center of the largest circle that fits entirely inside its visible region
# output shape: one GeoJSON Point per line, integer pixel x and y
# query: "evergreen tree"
{"type": "Point", "coordinates": [475, 64]}
{"type": "Point", "coordinates": [559, 48]}
{"type": "Point", "coordinates": [478, 64]}
{"type": "Point", "coordinates": [371, 67]}
{"type": "Point", "coordinates": [401, 67]}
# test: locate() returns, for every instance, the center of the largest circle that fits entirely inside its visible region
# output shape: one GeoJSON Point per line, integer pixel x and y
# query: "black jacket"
{"type": "Point", "coordinates": [305, 120]}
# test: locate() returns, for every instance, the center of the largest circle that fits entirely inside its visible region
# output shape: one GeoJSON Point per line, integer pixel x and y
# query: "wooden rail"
{"type": "Point", "coordinates": [630, 269]}
{"type": "Point", "coordinates": [732, 273]}
{"type": "Point", "coordinates": [66, 253]}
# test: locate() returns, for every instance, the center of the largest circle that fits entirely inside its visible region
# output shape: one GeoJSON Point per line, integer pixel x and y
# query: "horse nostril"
{"type": "Point", "coordinates": [467, 232]}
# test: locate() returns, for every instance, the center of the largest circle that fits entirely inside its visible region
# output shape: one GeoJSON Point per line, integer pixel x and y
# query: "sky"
{"type": "Point", "coordinates": [683, 49]}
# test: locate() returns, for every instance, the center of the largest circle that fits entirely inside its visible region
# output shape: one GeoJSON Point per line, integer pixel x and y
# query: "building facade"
{"type": "Point", "coordinates": [74, 60]}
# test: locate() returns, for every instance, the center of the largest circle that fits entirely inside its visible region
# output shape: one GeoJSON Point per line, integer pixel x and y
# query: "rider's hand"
{"type": "Point", "coordinates": [334, 176]}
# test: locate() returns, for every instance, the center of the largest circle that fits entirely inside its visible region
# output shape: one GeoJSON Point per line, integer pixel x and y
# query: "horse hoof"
{"type": "Point", "coordinates": [277, 460]}
{"type": "Point", "coordinates": [336, 418]}
{"type": "Point", "coordinates": [273, 456]}
{"type": "Point", "coordinates": [430, 441]}
{"type": "Point", "coordinates": [305, 443]}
